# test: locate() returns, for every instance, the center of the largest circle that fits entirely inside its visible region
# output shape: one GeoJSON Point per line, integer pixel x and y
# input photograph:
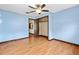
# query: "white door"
{"type": "Point", "coordinates": [43, 28]}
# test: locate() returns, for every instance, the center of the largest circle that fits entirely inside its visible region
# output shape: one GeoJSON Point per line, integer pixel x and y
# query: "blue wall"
{"type": "Point", "coordinates": [64, 25]}
{"type": "Point", "coordinates": [50, 17]}
{"type": "Point", "coordinates": [13, 25]}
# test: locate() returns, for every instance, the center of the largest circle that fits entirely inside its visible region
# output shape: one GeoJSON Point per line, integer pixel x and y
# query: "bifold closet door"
{"type": "Point", "coordinates": [43, 28]}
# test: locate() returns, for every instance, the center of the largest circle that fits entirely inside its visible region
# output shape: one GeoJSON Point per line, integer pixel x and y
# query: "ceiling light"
{"type": "Point", "coordinates": [38, 11]}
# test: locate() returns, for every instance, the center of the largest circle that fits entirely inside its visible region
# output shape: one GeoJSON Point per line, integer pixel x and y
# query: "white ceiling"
{"type": "Point", "coordinates": [22, 8]}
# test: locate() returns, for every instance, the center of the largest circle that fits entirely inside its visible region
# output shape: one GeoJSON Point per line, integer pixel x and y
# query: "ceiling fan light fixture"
{"type": "Point", "coordinates": [38, 8]}
{"type": "Point", "coordinates": [38, 11]}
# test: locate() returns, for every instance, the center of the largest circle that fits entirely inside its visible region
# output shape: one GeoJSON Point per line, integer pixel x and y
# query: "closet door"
{"type": "Point", "coordinates": [43, 28]}
{"type": "Point", "coordinates": [40, 28]}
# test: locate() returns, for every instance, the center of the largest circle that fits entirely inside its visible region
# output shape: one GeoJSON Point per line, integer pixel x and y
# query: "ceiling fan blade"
{"type": "Point", "coordinates": [45, 10]}
{"type": "Point", "coordinates": [37, 5]}
{"type": "Point", "coordinates": [43, 6]}
{"type": "Point", "coordinates": [29, 12]}
{"type": "Point", "coordinates": [32, 7]}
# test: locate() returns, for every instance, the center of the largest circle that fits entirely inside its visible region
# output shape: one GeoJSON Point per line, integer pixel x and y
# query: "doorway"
{"type": "Point", "coordinates": [43, 26]}
{"type": "Point", "coordinates": [31, 27]}
{"type": "Point", "coordinates": [39, 27]}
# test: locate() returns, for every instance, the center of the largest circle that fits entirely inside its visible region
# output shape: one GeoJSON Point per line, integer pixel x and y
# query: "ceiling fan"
{"type": "Point", "coordinates": [38, 8]}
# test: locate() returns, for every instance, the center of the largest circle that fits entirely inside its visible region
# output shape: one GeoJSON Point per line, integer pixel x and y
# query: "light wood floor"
{"type": "Point", "coordinates": [37, 46]}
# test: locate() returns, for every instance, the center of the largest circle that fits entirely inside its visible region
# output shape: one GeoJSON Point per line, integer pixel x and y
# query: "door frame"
{"type": "Point", "coordinates": [38, 19]}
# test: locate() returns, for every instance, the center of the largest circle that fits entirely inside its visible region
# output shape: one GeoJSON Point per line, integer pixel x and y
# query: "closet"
{"type": "Point", "coordinates": [43, 26]}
